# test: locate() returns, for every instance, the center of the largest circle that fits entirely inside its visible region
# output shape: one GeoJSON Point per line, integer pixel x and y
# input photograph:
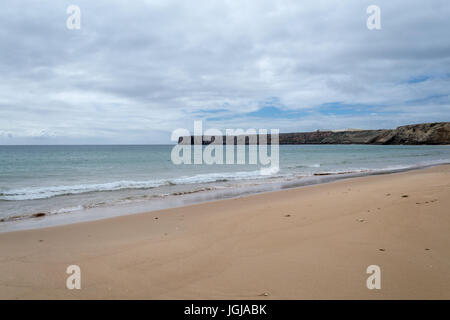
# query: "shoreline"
{"type": "Point", "coordinates": [40, 220]}
{"type": "Point", "coordinates": [313, 242]}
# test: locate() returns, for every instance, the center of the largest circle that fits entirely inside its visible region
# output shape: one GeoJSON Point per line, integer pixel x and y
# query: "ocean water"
{"type": "Point", "coordinates": [90, 182]}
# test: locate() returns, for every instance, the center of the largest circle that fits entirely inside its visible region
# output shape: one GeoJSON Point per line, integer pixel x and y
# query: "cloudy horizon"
{"type": "Point", "coordinates": [135, 72]}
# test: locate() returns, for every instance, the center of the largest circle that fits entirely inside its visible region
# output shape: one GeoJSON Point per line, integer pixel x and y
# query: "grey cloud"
{"type": "Point", "coordinates": [144, 68]}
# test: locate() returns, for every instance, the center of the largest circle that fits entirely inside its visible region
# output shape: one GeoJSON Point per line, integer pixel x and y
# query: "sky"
{"type": "Point", "coordinates": [137, 70]}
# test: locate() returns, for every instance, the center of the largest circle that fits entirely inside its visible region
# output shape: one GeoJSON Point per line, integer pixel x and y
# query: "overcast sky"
{"type": "Point", "coordinates": [137, 70]}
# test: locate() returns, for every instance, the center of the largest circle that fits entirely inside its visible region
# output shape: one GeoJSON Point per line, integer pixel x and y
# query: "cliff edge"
{"type": "Point", "coordinates": [437, 133]}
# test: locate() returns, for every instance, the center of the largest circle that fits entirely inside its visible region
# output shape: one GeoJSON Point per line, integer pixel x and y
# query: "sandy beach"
{"type": "Point", "coordinates": [312, 242]}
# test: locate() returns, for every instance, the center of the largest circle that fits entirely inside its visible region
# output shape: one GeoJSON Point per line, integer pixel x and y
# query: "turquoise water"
{"type": "Point", "coordinates": [62, 179]}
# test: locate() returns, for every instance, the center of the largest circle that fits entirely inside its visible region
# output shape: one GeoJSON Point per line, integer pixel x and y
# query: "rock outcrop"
{"type": "Point", "coordinates": [425, 133]}
{"type": "Point", "coordinates": [416, 134]}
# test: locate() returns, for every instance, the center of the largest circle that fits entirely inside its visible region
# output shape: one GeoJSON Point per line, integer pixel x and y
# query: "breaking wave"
{"type": "Point", "coordinates": [34, 193]}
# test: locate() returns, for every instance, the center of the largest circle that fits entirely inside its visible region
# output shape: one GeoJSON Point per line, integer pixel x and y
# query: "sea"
{"type": "Point", "coordinates": [42, 186]}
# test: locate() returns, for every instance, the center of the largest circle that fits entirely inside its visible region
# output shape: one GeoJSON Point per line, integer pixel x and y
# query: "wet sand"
{"type": "Point", "coordinates": [314, 242]}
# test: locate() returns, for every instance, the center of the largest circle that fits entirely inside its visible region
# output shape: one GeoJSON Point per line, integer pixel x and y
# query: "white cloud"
{"type": "Point", "coordinates": [136, 71]}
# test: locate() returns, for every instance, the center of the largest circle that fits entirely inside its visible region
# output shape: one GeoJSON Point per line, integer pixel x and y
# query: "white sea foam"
{"type": "Point", "coordinates": [34, 193]}
{"type": "Point", "coordinates": [52, 191]}
{"type": "Point", "coordinates": [67, 209]}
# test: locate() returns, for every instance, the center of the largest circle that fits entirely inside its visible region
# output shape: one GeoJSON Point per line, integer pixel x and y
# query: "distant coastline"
{"type": "Point", "coordinates": [437, 133]}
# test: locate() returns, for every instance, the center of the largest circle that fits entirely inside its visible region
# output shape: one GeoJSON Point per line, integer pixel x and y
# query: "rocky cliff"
{"type": "Point", "coordinates": [424, 133]}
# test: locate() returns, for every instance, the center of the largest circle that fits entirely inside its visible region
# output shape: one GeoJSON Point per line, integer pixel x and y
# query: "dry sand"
{"type": "Point", "coordinates": [308, 243]}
